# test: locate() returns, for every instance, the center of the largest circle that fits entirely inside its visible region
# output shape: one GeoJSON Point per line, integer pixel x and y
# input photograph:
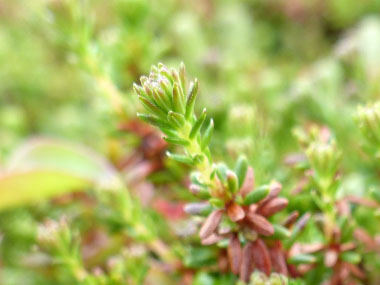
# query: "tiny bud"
{"type": "Point", "coordinates": [143, 79]}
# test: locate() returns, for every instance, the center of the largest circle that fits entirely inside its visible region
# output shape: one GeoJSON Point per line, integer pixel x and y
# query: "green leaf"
{"type": "Point", "coordinates": [182, 76]}
{"type": "Point", "coordinates": [176, 119]}
{"type": "Point", "coordinates": [176, 140]}
{"type": "Point", "coordinates": [44, 168]}
{"type": "Point", "coordinates": [178, 103]}
{"type": "Point", "coordinates": [232, 181]}
{"type": "Point", "coordinates": [351, 257]}
{"type": "Point", "coordinates": [161, 99]}
{"type": "Point", "coordinates": [191, 99]}
{"type": "Point", "coordinates": [241, 169]}
{"type": "Point", "coordinates": [221, 172]}
{"type": "Point", "coordinates": [198, 124]}
{"type": "Point", "coordinates": [302, 259]}
{"type": "Point", "coordinates": [280, 232]}
{"type": "Point", "coordinates": [256, 195]}
{"type": "Point", "coordinates": [151, 107]}
{"type": "Point", "coordinates": [155, 121]}
{"type": "Point", "coordinates": [180, 158]}
{"type": "Point", "coordinates": [217, 203]}
{"type": "Point", "coordinates": [207, 135]}
{"type": "Point", "coordinates": [18, 189]}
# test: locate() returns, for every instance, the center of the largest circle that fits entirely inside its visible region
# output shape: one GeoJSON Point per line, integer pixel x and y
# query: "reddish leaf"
{"type": "Point", "coordinates": [211, 223]}
{"type": "Point", "coordinates": [222, 264]}
{"type": "Point", "coordinates": [291, 219]}
{"type": "Point", "coordinates": [246, 267]}
{"type": "Point", "coordinates": [273, 206]}
{"type": "Point", "coordinates": [312, 247]}
{"type": "Point", "coordinates": [260, 224]}
{"type": "Point", "coordinates": [171, 211]}
{"type": "Point", "coordinates": [234, 254]}
{"type": "Point", "coordinates": [277, 257]}
{"type": "Point", "coordinates": [356, 271]}
{"type": "Point", "coordinates": [365, 238]}
{"type": "Point", "coordinates": [275, 188]}
{"type": "Point", "coordinates": [362, 201]}
{"type": "Point", "coordinates": [261, 257]}
{"type": "Point", "coordinates": [249, 182]}
{"type": "Point", "coordinates": [235, 212]}
{"type": "Point", "coordinates": [347, 246]}
{"type": "Point", "coordinates": [211, 239]}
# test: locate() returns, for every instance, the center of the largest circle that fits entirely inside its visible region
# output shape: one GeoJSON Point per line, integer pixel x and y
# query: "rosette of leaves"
{"type": "Point", "coordinates": [63, 246]}
{"type": "Point", "coordinates": [338, 250]}
{"type": "Point", "coordinates": [236, 210]}
{"type": "Point", "coordinates": [337, 254]}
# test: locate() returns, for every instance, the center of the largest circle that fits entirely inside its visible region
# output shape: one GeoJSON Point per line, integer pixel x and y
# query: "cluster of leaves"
{"type": "Point", "coordinates": [173, 197]}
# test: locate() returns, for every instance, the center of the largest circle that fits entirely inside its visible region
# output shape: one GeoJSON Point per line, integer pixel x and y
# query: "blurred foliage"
{"type": "Point", "coordinates": [265, 67]}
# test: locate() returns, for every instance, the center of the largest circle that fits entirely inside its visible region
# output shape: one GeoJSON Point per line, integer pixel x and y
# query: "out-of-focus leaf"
{"type": "Point", "coordinates": [43, 168]}
{"type": "Point", "coordinates": [23, 188]}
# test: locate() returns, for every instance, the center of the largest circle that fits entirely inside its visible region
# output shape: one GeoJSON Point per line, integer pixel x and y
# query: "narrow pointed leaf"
{"type": "Point", "coordinates": [151, 107]}
{"type": "Point", "coordinates": [161, 99]}
{"type": "Point", "coordinates": [180, 158]}
{"type": "Point", "coordinates": [182, 76]}
{"type": "Point", "coordinates": [176, 119]}
{"type": "Point", "coordinates": [178, 103]}
{"type": "Point", "coordinates": [207, 135]}
{"type": "Point", "coordinates": [176, 141]}
{"type": "Point", "coordinates": [198, 124]}
{"type": "Point", "coordinates": [153, 120]}
{"type": "Point", "coordinates": [191, 99]}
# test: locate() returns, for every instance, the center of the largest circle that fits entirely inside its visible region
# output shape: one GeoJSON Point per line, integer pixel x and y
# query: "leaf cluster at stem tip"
{"type": "Point", "coordinates": [169, 105]}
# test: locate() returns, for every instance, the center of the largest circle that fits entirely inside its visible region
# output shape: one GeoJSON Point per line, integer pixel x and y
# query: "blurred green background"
{"type": "Point", "coordinates": [264, 66]}
{"type": "Point", "coordinates": [289, 61]}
